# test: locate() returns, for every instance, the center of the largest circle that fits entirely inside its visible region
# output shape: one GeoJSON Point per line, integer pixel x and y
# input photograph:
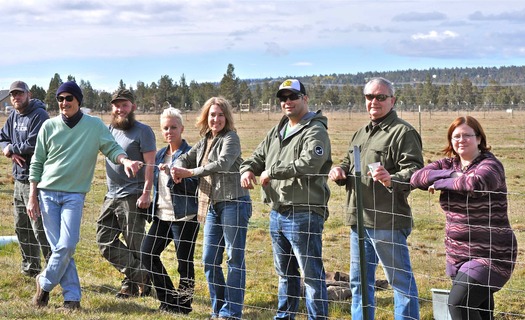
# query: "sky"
{"type": "Point", "coordinates": [105, 41]}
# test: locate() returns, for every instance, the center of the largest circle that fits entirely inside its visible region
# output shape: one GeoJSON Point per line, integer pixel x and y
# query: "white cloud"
{"type": "Point", "coordinates": [343, 35]}
{"type": "Point", "coordinates": [435, 35]}
{"type": "Point", "coordinates": [303, 64]}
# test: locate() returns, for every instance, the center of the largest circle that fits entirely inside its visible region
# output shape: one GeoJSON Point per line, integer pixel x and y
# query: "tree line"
{"type": "Point", "coordinates": [432, 89]}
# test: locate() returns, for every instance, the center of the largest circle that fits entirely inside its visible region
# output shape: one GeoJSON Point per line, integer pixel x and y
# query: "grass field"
{"type": "Point", "coordinates": [100, 282]}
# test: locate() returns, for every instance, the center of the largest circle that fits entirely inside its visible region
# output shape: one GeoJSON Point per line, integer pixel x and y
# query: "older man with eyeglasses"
{"type": "Point", "coordinates": [60, 175]}
{"type": "Point", "coordinates": [393, 149]}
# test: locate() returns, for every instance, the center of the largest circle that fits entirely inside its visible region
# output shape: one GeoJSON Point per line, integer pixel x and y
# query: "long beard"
{"type": "Point", "coordinates": [123, 123]}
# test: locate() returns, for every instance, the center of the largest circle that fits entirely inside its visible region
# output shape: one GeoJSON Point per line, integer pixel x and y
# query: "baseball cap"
{"type": "Point", "coordinates": [293, 85]}
{"type": "Point", "coordinates": [123, 94]}
{"type": "Point", "coordinates": [19, 86]}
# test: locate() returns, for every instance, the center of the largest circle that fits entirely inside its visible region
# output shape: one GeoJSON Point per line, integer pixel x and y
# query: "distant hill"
{"type": "Point", "coordinates": [479, 76]}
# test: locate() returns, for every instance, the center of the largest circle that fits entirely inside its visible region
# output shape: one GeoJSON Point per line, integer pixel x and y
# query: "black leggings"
{"type": "Point", "coordinates": [470, 300]}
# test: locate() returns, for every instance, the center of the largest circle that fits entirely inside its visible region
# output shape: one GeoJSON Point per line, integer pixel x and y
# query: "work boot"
{"type": "Point", "coordinates": [169, 308]}
{"type": "Point", "coordinates": [145, 286]}
{"type": "Point", "coordinates": [41, 298]}
{"type": "Point", "coordinates": [184, 299]}
{"type": "Point", "coordinates": [70, 306]}
{"type": "Point", "coordinates": [127, 290]}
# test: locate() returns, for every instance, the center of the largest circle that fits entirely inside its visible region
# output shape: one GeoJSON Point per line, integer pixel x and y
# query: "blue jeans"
{"type": "Point", "coordinates": [297, 248]}
{"type": "Point", "coordinates": [388, 247]}
{"type": "Point", "coordinates": [62, 214]}
{"type": "Point", "coordinates": [225, 229]}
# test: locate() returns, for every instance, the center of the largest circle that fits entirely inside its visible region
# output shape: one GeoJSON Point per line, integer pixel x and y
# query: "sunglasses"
{"type": "Point", "coordinates": [292, 97]}
{"type": "Point", "coordinates": [378, 97]}
{"type": "Point", "coordinates": [67, 98]}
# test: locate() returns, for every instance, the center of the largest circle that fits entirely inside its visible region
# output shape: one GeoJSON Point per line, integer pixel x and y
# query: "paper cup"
{"type": "Point", "coordinates": [373, 166]}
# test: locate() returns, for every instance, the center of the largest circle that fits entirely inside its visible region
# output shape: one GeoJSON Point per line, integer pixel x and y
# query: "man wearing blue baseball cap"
{"type": "Point", "coordinates": [293, 162]}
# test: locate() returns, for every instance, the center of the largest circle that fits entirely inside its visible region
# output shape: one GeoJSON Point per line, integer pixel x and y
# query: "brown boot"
{"type": "Point", "coordinates": [70, 306]}
{"type": "Point", "coordinates": [145, 287]}
{"type": "Point", "coordinates": [41, 298]}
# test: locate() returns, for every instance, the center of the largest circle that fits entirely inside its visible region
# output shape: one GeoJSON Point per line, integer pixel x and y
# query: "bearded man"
{"type": "Point", "coordinates": [18, 140]}
{"type": "Point", "coordinates": [127, 199]}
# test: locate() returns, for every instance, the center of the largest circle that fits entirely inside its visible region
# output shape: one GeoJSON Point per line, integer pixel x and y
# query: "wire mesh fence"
{"type": "Point", "coordinates": [100, 281]}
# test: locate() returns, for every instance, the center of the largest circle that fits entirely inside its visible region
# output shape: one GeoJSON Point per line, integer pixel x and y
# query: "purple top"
{"type": "Point", "coordinates": [478, 238]}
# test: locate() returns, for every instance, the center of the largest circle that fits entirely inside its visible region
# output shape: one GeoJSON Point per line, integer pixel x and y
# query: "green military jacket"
{"type": "Point", "coordinates": [397, 145]}
{"type": "Point", "coordinates": [298, 165]}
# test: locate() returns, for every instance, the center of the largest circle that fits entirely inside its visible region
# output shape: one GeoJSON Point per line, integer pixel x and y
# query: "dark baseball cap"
{"type": "Point", "coordinates": [123, 94]}
{"type": "Point", "coordinates": [19, 86]}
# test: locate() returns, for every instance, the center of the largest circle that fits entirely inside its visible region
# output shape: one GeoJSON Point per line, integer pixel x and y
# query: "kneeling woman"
{"type": "Point", "coordinates": [174, 219]}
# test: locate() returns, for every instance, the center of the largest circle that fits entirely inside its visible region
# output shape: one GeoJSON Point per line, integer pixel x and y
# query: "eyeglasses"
{"type": "Point", "coordinates": [67, 98]}
{"type": "Point", "coordinates": [294, 96]}
{"type": "Point", "coordinates": [16, 93]}
{"type": "Point", "coordinates": [378, 97]}
{"type": "Point", "coordinates": [458, 137]}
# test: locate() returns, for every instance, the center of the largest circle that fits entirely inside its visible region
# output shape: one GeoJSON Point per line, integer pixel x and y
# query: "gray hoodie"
{"type": "Point", "coordinates": [20, 132]}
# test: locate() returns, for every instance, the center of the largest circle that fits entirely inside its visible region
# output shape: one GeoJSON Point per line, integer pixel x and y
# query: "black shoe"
{"type": "Point", "coordinates": [183, 299]}
{"type": "Point", "coordinates": [71, 306]}
{"type": "Point", "coordinates": [41, 298]}
{"type": "Point", "coordinates": [169, 308]}
{"type": "Point", "coordinates": [30, 273]}
{"type": "Point", "coordinates": [127, 291]}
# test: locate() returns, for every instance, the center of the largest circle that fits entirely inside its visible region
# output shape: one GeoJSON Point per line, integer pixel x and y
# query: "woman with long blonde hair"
{"type": "Point", "coordinates": [224, 205]}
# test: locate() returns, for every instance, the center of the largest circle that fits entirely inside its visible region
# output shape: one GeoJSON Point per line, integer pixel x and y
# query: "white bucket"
{"type": "Point", "coordinates": [440, 304]}
{"type": "Point", "coordinates": [7, 239]}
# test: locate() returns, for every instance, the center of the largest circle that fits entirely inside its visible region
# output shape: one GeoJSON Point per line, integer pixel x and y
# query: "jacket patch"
{"type": "Point", "coordinates": [319, 150]}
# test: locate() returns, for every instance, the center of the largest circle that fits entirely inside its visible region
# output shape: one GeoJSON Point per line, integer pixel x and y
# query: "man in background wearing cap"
{"type": "Point", "coordinates": [292, 162]}
{"type": "Point", "coordinates": [18, 139]}
{"type": "Point", "coordinates": [60, 175]}
{"type": "Point", "coordinates": [126, 201]}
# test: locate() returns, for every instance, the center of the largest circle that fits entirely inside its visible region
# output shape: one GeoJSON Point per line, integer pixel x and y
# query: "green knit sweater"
{"type": "Point", "coordinates": [65, 158]}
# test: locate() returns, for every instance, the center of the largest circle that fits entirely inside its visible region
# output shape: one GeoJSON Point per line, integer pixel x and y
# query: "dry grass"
{"type": "Point", "coordinates": [100, 281]}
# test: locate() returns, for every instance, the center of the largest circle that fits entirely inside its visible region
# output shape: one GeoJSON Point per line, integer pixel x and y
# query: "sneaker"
{"type": "Point", "coordinates": [41, 298]}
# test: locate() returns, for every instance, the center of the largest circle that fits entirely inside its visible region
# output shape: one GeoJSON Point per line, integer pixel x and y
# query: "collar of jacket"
{"type": "Point", "coordinates": [304, 121]}
{"type": "Point", "coordinates": [385, 123]}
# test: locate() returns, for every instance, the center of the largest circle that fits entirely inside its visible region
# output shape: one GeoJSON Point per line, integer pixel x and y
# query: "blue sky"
{"type": "Point", "coordinates": [106, 41]}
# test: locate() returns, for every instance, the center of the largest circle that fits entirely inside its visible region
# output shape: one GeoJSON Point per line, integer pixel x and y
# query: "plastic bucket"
{"type": "Point", "coordinates": [440, 304]}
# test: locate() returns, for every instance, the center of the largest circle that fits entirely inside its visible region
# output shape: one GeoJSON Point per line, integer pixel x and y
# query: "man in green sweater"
{"type": "Point", "coordinates": [60, 175]}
